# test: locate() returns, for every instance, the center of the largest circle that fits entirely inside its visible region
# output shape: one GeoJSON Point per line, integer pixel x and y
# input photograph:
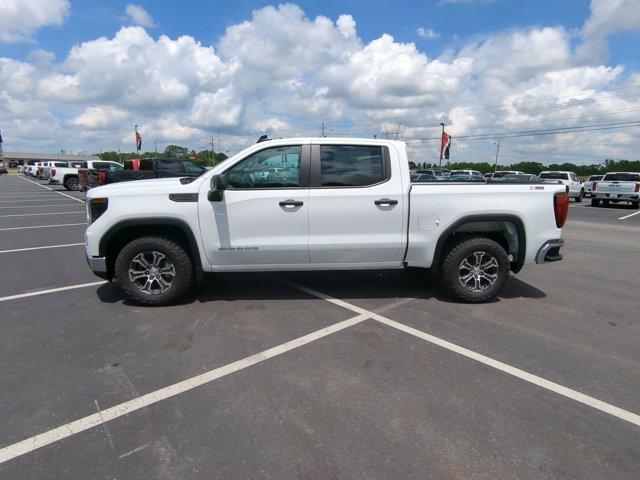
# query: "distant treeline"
{"type": "Point", "coordinates": [203, 157]}
{"type": "Point", "coordinates": [535, 167]}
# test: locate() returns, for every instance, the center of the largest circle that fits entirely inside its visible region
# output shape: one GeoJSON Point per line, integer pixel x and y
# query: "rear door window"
{"type": "Point", "coordinates": [352, 165]}
{"type": "Point", "coordinates": [554, 176]}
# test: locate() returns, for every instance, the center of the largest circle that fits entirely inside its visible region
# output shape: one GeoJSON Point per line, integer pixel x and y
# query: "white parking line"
{"type": "Point", "coordinates": [43, 226]}
{"type": "Point", "coordinates": [516, 372]}
{"type": "Point", "coordinates": [50, 290]}
{"type": "Point", "coordinates": [38, 206]}
{"type": "Point", "coordinates": [627, 216]}
{"type": "Point", "coordinates": [54, 191]}
{"type": "Point", "coordinates": [99, 418]}
{"type": "Point", "coordinates": [41, 248]}
{"type": "Point", "coordinates": [40, 214]}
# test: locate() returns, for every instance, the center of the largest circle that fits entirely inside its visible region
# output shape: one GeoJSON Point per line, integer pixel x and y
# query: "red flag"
{"type": "Point", "coordinates": [445, 143]}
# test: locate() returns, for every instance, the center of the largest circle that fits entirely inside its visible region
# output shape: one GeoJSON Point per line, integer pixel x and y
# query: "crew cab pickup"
{"type": "Point", "coordinates": [569, 179]}
{"type": "Point", "coordinates": [617, 187]}
{"type": "Point", "coordinates": [139, 169]}
{"type": "Point", "coordinates": [319, 204]}
{"type": "Point", "coordinates": [68, 176]}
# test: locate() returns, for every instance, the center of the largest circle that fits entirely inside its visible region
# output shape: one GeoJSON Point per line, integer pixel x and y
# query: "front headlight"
{"type": "Point", "coordinates": [95, 208]}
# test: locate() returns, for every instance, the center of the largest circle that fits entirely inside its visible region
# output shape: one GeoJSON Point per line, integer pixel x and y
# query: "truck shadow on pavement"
{"type": "Point", "coordinates": [345, 285]}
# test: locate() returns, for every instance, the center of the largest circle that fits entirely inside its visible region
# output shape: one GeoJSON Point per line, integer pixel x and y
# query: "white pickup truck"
{"type": "Point", "coordinates": [617, 187]}
{"type": "Point", "coordinates": [68, 176]}
{"type": "Point", "coordinates": [319, 204]}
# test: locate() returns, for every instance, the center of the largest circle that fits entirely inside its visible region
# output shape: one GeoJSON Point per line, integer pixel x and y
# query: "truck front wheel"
{"type": "Point", "coordinates": [154, 270]}
{"type": "Point", "coordinates": [475, 270]}
{"type": "Point", "coordinates": [72, 183]}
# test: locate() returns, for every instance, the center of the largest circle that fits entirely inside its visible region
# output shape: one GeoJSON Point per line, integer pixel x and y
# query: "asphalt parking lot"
{"type": "Point", "coordinates": [316, 375]}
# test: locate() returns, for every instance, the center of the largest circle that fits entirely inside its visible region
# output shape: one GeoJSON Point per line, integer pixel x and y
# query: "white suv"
{"type": "Point", "coordinates": [568, 179]}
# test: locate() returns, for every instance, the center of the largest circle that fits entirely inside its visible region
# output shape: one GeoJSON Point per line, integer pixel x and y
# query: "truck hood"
{"type": "Point", "coordinates": [151, 186]}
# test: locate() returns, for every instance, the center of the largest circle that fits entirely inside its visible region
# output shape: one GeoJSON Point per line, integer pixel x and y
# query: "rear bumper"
{"type": "Point", "coordinates": [626, 197]}
{"type": "Point", "coordinates": [550, 251]}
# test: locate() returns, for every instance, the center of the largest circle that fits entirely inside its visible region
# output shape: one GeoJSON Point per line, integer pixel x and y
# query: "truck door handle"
{"type": "Point", "coordinates": [291, 203]}
{"type": "Point", "coordinates": [386, 201]}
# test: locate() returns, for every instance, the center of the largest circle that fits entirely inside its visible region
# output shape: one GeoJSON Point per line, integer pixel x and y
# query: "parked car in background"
{"type": "Point", "coordinates": [439, 174]}
{"type": "Point", "coordinates": [502, 173]}
{"type": "Point", "coordinates": [68, 176]}
{"type": "Point", "coordinates": [334, 204]}
{"type": "Point", "coordinates": [488, 175]}
{"type": "Point", "coordinates": [464, 172]}
{"type": "Point", "coordinates": [520, 178]}
{"type": "Point", "coordinates": [48, 166]}
{"type": "Point", "coordinates": [589, 184]}
{"type": "Point", "coordinates": [618, 187]}
{"type": "Point", "coordinates": [423, 177]}
{"type": "Point", "coordinates": [569, 179]}
{"type": "Point", "coordinates": [32, 169]}
{"type": "Point", "coordinates": [13, 164]}
{"type": "Point", "coordinates": [465, 177]}
{"type": "Point", "coordinates": [144, 169]}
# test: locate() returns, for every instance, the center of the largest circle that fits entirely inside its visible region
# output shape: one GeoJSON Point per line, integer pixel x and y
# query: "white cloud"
{"type": "Point", "coordinates": [19, 19]}
{"type": "Point", "coordinates": [282, 73]}
{"type": "Point", "coordinates": [138, 15]}
{"type": "Point", "coordinates": [609, 16]}
{"type": "Point", "coordinates": [427, 33]}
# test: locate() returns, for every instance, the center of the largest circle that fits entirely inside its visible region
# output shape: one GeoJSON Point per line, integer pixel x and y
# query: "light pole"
{"type": "Point", "coordinates": [497, 144]}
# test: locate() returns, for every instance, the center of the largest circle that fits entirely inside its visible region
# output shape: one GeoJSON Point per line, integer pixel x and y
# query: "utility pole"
{"type": "Point", "coordinates": [322, 130]}
{"type": "Point", "coordinates": [440, 162]}
{"type": "Point", "coordinates": [497, 144]}
{"type": "Point", "coordinates": [219, 148]}
{"type": "Point", "coordinates": [213, 153]}
{"type": "Point", "coordinates": [155, 146]}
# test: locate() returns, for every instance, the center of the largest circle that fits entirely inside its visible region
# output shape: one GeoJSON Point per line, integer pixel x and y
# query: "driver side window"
{"type": "Point", "coordinates": [277, 167]}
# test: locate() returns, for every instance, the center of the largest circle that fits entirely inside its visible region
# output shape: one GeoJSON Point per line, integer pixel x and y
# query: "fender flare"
{"type": "Point", "coordinates": [517, 221]}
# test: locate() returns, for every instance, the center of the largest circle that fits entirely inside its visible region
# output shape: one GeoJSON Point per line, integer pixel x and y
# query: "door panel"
{"type": "Point", "coordinates": [346, 225]}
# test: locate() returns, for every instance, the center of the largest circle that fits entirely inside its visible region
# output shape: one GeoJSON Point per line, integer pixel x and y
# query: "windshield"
{"type": "Point", "coordinates": [554, 176]}
{"type": "Point", "coordinates": [622, 177]}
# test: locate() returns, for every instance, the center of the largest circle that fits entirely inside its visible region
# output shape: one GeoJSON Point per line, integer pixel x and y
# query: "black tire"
{"type": "Point", "coordinates": [595, 202]}
{"type": "Point", "coordinates": [578, 199]}
{"type": "Point", "coordinates": [605, 203]}
{"type": "Point", "coordinates": [452, 270]}
{"type": "Point", "coordinates": [129, 259]}
{"type": "Point", "coordinates": [635, 205]}
{"type": "Point", "coordinates": [72, 183]}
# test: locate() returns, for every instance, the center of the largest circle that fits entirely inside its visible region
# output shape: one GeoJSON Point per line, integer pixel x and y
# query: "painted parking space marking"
{"type": "Point", "coordinates": [101, 417]}
{"type": "Point", "coordinates": [45, 247]}
{"type": "Point", "coordinates": [478, 357]}
{"type": "Point", "coordinates": [38, 206]}
{"type": "Point", "coordinates": [50, 290]}
{"type": "Point", "coordinates": [54, 191]}
{"type": "Point", "coordinates": [40, 214]}
{"type": "Point", "coordinates": [42, 226]}
{"type": "Point", "coordinates": [627, 216]}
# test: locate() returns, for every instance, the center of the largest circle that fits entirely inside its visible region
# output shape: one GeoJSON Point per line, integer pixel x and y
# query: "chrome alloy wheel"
{"type": "Point", "coordinates": [478, 271]}
{"type": "Point", "coordinates": [152, 272]}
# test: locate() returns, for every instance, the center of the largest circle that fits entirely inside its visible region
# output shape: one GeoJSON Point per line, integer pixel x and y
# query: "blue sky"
{"type": "Point", "coordinates": [245, 67]}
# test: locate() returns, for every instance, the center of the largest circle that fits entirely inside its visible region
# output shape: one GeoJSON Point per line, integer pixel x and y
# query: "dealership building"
{"type": "Point", "coordinates": [23, 158]}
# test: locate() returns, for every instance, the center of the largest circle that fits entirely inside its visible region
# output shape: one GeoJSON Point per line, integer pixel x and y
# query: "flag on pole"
{"type": "Point", "coordinates": [444, 146]}
{"type": "Point", "coordinates": [138, 139]}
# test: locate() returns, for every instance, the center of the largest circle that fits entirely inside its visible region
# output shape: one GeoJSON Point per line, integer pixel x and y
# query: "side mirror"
{"type": "Point", "coordinates": [219, 184]}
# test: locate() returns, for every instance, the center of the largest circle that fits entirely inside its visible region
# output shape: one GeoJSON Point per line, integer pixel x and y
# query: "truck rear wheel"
{"type": "Point", "coordinates": [154, 270]}
{"type": "Point", "coordinates": [475, 270]}
{"type": "Point", "coordinates": [72, 183]}
{"type": "Point", "coordinates": [595, 202]}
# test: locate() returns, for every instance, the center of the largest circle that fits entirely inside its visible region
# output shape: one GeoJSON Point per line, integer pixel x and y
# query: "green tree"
{"type": "Point", "coordinates": [176, 151]}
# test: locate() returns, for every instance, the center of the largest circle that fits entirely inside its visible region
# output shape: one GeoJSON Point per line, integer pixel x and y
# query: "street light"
{"type": "Point", "coordinates": [497, 144]}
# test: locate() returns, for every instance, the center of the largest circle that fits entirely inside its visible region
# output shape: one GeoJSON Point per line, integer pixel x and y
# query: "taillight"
{"type": "Point", "coordinates": [102, 177]}
{"type": "Point", "coordinates": [53, 172]}
{"type": "Point", "coordinates": [561, 208]}
{"type": "Point", "coordinates": [637, 187]}
{"type": "Point", "coordinates": [593, 187]}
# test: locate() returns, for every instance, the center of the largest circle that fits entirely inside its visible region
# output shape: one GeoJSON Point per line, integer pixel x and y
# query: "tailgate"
{"type": "Point", "coordinates": [616, 187]}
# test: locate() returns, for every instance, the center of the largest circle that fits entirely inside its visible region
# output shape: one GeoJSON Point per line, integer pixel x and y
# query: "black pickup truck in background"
{"type": "Point", "coordinates": [140, 169]}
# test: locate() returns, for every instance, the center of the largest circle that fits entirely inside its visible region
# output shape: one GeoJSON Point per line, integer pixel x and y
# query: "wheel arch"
{"type": "Point", "coordinates": [495, 227]}
{"type": "Point", "coordinates": [122, 232]}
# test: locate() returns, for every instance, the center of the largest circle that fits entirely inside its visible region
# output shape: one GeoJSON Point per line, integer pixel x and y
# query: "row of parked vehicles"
{"type": "Point", "coordinates": [613, 187]}
{"type": "Point", "coordinates": [83, 175]}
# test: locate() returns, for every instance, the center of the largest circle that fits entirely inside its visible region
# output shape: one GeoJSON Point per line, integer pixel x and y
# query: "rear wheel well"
{"type": "Point", "coordinates": [114, 241]}
{"type": "Point", "coordinates": [507, 232]}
